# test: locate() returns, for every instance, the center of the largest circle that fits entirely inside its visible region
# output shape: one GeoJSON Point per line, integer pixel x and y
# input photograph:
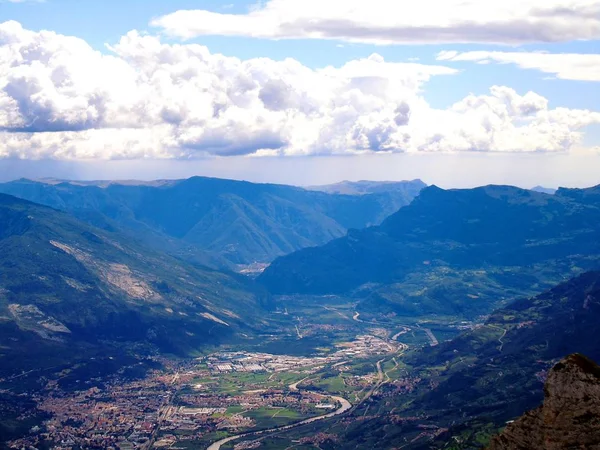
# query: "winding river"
{"type": "Point", "coordinates": [346, 405]}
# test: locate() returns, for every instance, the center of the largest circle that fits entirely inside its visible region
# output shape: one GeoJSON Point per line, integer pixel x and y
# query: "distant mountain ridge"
{"type": "Point", "coordinates": [213, 221]}
{"type": "Point", "coordinates": [364, 187]}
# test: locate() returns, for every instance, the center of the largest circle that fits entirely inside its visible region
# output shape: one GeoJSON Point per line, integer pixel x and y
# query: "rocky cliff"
{"type": "Point", "coordinates": [569, 417]}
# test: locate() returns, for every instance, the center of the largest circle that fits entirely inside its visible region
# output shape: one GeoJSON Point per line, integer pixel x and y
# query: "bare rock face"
{"type": "Point", "coordinates": [569, 417]}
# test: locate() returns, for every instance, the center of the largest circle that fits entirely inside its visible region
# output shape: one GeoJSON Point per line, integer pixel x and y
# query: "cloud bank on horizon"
{"type": "Point", "coordinates": [147, 98]}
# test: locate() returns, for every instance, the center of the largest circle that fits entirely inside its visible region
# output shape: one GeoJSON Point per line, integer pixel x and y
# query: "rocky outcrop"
{"type": "Point", "coordinates": [569, 417]}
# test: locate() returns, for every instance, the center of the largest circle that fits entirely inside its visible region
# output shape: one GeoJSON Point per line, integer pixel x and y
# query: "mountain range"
{"type": "Point", "coordinates": [452, 252]}
{"type": "Point", "coordinates": [143, 263]}
{"type": "Point", "coordinates": [365, 187]}
{"type": "Point", "coordinates": [214, 222]}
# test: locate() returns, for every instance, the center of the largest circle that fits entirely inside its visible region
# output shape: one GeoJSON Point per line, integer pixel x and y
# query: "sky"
{"type": "Point", "coordinates": [456, 92]}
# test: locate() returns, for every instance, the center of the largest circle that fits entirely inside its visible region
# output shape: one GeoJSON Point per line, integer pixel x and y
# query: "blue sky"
{"type": "Point", "coordinates": [102, 23]}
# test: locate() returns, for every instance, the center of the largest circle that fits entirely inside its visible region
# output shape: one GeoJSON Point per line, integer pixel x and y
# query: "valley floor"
{"type": "Point", "coordinates": [324, 362]}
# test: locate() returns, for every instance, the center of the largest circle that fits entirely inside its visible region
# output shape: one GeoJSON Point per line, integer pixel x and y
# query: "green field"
{"type": "Point", "coordinates": [268, 417]}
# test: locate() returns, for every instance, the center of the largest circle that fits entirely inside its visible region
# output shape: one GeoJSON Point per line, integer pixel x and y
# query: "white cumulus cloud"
{"type": "Point", "coordinates": [59, 98]}
{"type": "Point", "coordinates": [398, 22]}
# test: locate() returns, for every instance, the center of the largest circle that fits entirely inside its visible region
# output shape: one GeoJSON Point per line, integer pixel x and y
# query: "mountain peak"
{"type": "Point", "coordinates": [544, 190]}
{"type": "Point", "coordinates": [576, 364]}
{"type": "Point", "coordinates": [569, 416]}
